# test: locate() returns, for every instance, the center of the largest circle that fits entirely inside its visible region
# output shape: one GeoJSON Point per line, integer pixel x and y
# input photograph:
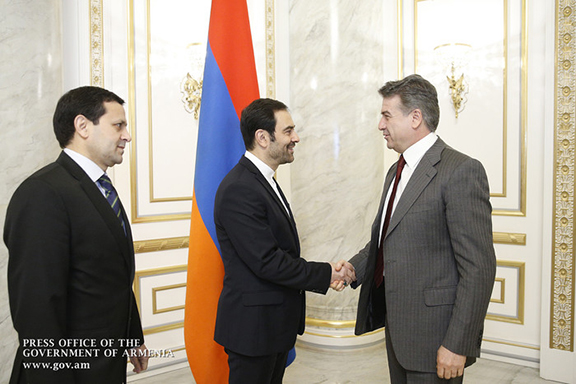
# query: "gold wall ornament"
{"type": "Point", "coordinates": [96, 46]}
{"type": "Point", "coordinates": [454, 56]}
{"type": "Point", "coordinates": [138, 35]}
{"type": "Point", "coordinates": [458, 90]}
{"type": "Point", "coordinates": [191, 94]}
{"type": "Point", "coordinates": [191, 85]}
{"type": "Point", "coordinates": [563, 273]}
{"type": "Point", "coordinates": [511, 51]}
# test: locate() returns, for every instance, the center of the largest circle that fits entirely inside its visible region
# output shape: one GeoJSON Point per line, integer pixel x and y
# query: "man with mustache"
{"type": "Point", "coordinates": [262, 304]}
{"type": "Point", "coordinates": [71, 255]}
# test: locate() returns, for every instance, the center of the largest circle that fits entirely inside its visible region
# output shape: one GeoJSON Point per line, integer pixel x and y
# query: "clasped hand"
{"type": "Point", "coordinates": [343, 273]}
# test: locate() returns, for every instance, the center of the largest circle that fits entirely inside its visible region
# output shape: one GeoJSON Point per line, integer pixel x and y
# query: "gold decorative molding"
{"type": "Point", "coordinates": [137, 293]}
{"type": "Point", "coordinates": [136, 216]}
{"type": "Point", "coordinates": [156, 245]}
{"type": "Point", "coordinates": [344, 336]}
{"type": "Point", "coordinates": [502, 298]}
{"type": "Point", "coordinates": [562, 292]}
{"type": "Point", "coordinates": [521, 210]}
{"type": "Point", "coordinates": [338, 324]}
{"type": "Point", "coordinates": [153, 272]}
{"type": "Point", "coordinates": [153, 198]}
{"type": "Point", "coordinates": [270, 50]}
{"type": "Point", "coordinates": [96, 46]}
{"type": "Point", "coordinates": [163, 328]}
{"type": "Point", "coordinates": [509, 238]}
{"type": "Point", "coordinates": [520, 297]}
{"type": "Point", "coordinates": [155, 291]}
{"type": "Point", "coordinates": [512, 344]}
{"type": "Point", "coordinates": [400, 33]}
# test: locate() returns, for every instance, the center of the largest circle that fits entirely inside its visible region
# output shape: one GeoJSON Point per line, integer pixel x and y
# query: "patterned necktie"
{"type": "Point", "coordinates": [112, 197]}
{"type": "Point", "coordinates": [379, 272]}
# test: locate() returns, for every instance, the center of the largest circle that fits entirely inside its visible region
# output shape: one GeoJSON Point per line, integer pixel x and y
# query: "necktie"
{"type": "Point", "coordinates": [379, 272]}
{"type": "Point", "coordinates": [112, 197]}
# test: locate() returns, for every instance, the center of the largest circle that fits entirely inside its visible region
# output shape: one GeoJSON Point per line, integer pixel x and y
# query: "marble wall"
{"type": "Point", "coordinates": [336, 60]}
{"type": "Point", "coordinates": [30, 85]}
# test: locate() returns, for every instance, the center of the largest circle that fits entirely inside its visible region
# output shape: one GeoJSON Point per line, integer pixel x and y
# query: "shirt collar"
{"type": "Point", "coordinates": [414, 153]}
{"type": "Point", "coordinates": [264, 169]}
{"type": "Point", "coordinates": [91, 168]}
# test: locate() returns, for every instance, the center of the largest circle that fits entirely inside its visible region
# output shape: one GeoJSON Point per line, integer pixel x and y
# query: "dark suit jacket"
{"type": "Point", "coordinates": [262, 304]}
{"type": "Point", "coordinates": [70, 274]}
{"type": "Point", "coordinates": [439, 261]}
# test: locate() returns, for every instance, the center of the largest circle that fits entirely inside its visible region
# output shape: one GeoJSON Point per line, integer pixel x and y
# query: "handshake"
{"type": "Point", "coordinates": [343, 273]}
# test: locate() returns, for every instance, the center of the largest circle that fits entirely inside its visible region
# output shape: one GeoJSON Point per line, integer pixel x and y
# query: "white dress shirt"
{"type": "Point", "coordinates": [91, 168]}
{"type": "Point", "coordinates": [268, 174]}
{"type": "Point", "coordinates": [412, 156]}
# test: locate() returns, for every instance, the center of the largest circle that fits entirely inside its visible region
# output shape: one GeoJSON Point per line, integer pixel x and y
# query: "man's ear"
{"type": "Point", "coordinates": [81, 125]}
{"type": "Point", "coordinates": [417, 119]}
{"type": "Point", "coordinates": [262, 138]}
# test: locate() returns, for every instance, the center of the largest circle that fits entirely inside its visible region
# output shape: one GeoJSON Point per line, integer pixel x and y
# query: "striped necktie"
{"type": "Point", "coordinates": [112, 197]}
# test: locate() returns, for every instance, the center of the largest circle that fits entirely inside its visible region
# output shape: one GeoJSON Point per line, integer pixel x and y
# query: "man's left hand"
{"type": "Point", "coordinates": [140, 361]}
{"type": "Point", "coordinates": [449, 364]}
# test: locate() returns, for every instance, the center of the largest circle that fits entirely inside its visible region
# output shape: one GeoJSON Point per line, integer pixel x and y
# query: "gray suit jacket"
{"type": "Point", "coordinates": [439, 261]}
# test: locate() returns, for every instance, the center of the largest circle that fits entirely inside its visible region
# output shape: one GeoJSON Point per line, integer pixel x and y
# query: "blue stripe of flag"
{"type": "Point", "coordinates": [220, 143]}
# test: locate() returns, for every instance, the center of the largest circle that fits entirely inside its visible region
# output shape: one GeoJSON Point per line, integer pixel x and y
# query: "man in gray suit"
{"type": "Point", "coordinates": [428, 271]}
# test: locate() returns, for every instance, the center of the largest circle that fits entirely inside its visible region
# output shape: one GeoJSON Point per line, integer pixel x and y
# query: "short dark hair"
{"type": "Point", "coordinates": [259, 115]}
{"type": "Point", "coordinates": [87, 101]}
{"type": "Point", "coordinates": [415, 93]}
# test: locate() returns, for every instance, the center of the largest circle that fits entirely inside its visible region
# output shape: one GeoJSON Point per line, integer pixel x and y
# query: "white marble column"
{"type": "Point", "coordinates": [30, 85]}
{"type": "Point", "coordinates": [336, 59]}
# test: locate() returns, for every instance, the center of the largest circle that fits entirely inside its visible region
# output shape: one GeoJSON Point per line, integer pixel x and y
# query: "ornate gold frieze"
{"type": "Point", "coordinates": [270, 51]}
{"type": "Point", "coordinates": [562, 300]}
{"type": "Point", "coordinates": [161, 244]}
{"type": "Point", "coordinates": [96, 48]}
{"type": "Point", "coordinates": [509, 238]}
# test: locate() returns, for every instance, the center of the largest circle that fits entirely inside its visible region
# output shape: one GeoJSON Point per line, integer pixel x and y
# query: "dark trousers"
{"type": "Point", "coordinates": [256, 370]}
{"type": "Point", "coordinates": [399, 375]}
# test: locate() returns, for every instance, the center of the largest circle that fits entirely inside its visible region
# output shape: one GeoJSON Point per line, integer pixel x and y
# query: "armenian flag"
{"type": "Point", "coordinates": [229, 85]}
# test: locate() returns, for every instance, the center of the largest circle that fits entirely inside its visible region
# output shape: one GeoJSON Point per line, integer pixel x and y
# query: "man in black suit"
{"type": "Point", "coordinates": [71, 256]}
{"type": "Point", "coordinates": [262, 304]}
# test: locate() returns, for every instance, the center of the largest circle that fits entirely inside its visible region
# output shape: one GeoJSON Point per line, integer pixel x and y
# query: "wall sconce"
{"type": "Point", "coordinates": [453, 57]}
{"type": "Point", "coordinates": [191, 85]}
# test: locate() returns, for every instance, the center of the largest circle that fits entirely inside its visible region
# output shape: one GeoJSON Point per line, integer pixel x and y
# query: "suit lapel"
{"type": "Point", "coordinates": [266, 185]}
{"type": "Point", "coordinates": [103, 208]}
{"type": "Point", "coordinates": [423, 174]}
{"type": "Point", "coordinates": [388, 181]}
